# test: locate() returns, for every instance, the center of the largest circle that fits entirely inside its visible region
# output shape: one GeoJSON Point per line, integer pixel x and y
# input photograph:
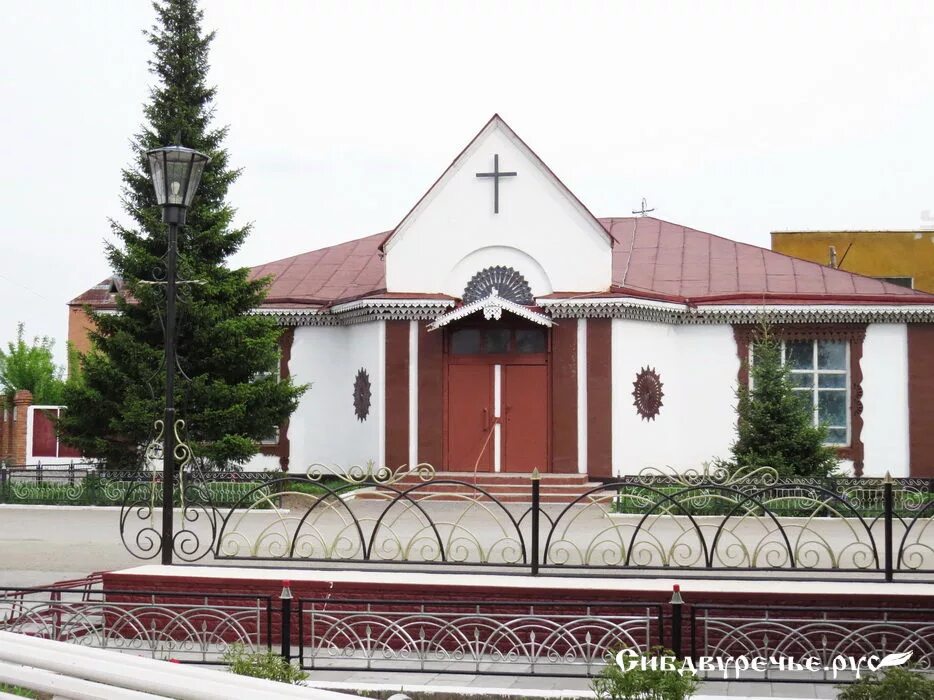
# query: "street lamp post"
{"type": "Point", "coordinates": [176, 174]}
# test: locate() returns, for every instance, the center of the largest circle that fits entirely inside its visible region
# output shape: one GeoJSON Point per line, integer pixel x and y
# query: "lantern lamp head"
{"type": "Point", "coordinates": [176, 173]}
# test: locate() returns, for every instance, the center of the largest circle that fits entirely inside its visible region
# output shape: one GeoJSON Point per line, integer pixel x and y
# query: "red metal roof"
{"type": "Point", "coordinates": [339, 273]}
{"type": "Point", "coordinates": [667, 260]}
{"type": "Point", "coordinates": [652, 259]}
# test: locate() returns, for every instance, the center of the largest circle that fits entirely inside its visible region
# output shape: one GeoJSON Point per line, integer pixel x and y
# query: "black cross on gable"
{"type": "Point", "coordinates": [496, 175]}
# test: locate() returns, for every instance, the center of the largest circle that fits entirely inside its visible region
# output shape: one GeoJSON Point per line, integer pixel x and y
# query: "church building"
{"type": "Point", "coordinates": [502, 327]}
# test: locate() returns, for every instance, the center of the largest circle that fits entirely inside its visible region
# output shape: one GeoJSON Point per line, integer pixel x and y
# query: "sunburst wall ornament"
{"type": "Point", "coordinates": [361, 395]}
{"type": "Point", "coordinates": [648, 393]}
{"type": "Point", "coordinates": [508, 283]}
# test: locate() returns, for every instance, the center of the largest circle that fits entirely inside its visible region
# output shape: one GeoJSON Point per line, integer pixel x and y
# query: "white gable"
{"type": "Point", "coordinates": [541, 229]}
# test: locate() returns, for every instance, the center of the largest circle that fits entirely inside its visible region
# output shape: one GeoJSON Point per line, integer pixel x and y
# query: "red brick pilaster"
{"type": "Point", "coordinates": [22, 400]}
{"type": "Point", "coordinates": [564, 396]}
{"type": "Point", "coordinates": [6, 427]}
{"type": "Point", "coordinates": [397, 394]}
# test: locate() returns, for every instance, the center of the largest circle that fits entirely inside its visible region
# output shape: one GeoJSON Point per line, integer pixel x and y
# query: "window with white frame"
{"type": "Point", "coordinates": [273, 437]}
{"type": "Point", "coordinates": [819, 371]}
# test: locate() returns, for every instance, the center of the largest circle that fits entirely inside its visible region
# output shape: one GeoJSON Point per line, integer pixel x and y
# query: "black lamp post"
{"type": "Point", "coordinates": [176, 174]}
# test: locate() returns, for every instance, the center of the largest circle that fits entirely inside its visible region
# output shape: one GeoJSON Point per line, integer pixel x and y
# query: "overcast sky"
{"type": "Point", "coordinates": [734, 118]}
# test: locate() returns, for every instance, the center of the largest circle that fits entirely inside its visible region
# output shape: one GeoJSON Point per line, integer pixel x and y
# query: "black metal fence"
{"type": "Point", "coordinates": [85, 483]}
{"type": "Point", "coordinates": [702, 524]}
{"type": "Point", "coordinates": [566, 638]}
{"type": "Point", "coordinates": [710, 523]}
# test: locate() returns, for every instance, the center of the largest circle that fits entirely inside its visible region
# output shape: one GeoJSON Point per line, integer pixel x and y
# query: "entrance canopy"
{"type": "Point", "coordinates": [492, 307]}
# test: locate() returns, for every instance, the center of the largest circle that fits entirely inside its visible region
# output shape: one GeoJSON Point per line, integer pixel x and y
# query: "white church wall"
{"type": "Point", "coordinates": [366, 343]}
{"type": "Point", "coordinates": [324, 428]}
{"type": "Point", "coordinates": [698, 368]}
{"type": "Point", "coordinates": [885, 400]}
{"type": "Point", "coordinates": [538, 229]}
{"type": "Point", "coordinates": [262, 463]}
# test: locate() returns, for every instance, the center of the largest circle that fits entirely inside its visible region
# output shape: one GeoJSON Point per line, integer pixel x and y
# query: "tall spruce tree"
{"type": "Point", "coordinates": [775, 427]}
{"type": "Point", "coordinates": [232, 398]}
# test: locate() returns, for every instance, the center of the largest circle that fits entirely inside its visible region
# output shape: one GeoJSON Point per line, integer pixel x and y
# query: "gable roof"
{"type": "Point", "coordinates": [495, 122]}
{"type": "Point", "coordinates": [652, 259]}
{"type": "Point", "coordinates": [101, 295]}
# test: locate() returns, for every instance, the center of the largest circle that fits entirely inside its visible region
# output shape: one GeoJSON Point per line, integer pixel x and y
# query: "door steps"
{"type": "Point", "coordinates": [503, 487]}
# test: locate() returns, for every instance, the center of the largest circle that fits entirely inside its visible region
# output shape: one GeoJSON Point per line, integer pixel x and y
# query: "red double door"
{"type": "Point", "coordinates": [521, 415]}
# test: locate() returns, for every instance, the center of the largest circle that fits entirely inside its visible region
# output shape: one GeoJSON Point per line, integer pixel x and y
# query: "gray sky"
{"type": "Point", "coordinates": [735, 118]}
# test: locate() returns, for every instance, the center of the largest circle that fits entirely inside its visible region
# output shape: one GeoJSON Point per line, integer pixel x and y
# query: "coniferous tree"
{"type": "Point", "coordinates": [231, 397]}
{"type": "Point", "coordinates": [774, 426]}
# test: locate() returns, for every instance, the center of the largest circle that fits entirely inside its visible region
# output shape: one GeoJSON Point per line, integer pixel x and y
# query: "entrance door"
{"type": "Point", "coordinates": [525, 416]}
{"type": "Point", "coordinates": [470, 418]}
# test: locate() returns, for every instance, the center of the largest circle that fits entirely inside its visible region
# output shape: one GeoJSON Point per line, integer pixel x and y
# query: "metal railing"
{"type": "Point", "coordinates": [700, 524]}
{"type": "Point", "coordinates": [86, 483]}
{"type": "Point", "coordinates": [544, 637]}
{"type": "Point", "coordinates": [187, 627]}
{"type": "Point", "coordinates": [820, 633]}
{"type": "Point", "coordinates": [534, 638]}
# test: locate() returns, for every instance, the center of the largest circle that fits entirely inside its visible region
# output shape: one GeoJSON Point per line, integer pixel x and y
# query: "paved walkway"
{"type": "Point", "coordinates": [44, 544]}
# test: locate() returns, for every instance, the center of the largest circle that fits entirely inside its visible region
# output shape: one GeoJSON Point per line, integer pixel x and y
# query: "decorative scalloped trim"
{"type": "Point", "coordinates": [362, 311]}
{"type": "Point", "coordinates": [366, 310]}
{"type": "Point", "coordinates": [492, 307]}
{"type": "Point", "coordinates": [672, 313]}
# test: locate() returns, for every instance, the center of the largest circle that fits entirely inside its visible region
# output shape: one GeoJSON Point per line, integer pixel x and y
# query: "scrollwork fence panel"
{"type": "Point", "coordinates": [504, 638]}
{"type": "Point", "coordinates": [793, 632]}
{"type": "Point", "coordinates": [373, 516]}
{"type": "Point", "coordinates": [187, 627]}
{"type": "Point", "coordinates": [709, 521]}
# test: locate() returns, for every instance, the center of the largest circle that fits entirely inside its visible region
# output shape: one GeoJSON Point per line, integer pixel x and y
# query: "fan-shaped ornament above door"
{"type": "Point", "coordinates": [508, 283]}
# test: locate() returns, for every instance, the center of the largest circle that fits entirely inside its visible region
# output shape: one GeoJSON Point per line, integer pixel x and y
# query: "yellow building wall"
{"type": "Point", "coordinates": [872, 253]}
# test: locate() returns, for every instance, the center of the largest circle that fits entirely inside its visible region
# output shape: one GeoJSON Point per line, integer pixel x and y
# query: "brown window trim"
{"type": "Point", "coordinates": [852, 333]}
{"type": "Point", "coordinates": [280, 449]}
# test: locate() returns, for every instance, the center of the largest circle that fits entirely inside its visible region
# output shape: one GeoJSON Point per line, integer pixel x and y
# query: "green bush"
{"type": "Point", "coordinates": [894, 684]}
{"type": "Point", "coordinates": [647, 683]}
{"type": "Point", "coordinates": [265, 664]}
{"type": "Point", "coordinates": [783, 503]}
{"type": "Point", "coordinates": [95, 491]}
{"type": "Point", "coordinates": [18, 691]}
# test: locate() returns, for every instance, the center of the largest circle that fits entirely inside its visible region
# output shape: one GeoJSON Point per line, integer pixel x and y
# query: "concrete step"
{"type": "Point", "coordinates": [504, 498]}
{"type": "Point", "coordinates": [501, 488]}
{"type": "Point", "coordinates": [501, 478]}
{"type": "Point", "coordinates": [504, 487]}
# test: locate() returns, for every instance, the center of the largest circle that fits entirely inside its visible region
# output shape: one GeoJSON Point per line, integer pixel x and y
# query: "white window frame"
{"type": "Point", "coordinates": [814, 389]}
{"type": "Point", "coordinates": [273, 439]}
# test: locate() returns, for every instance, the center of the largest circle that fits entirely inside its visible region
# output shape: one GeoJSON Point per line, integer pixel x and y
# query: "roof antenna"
{"type": "Point", "coordinates": [643, 211]}
{"type": "Point", "coordinates": [833, 257]}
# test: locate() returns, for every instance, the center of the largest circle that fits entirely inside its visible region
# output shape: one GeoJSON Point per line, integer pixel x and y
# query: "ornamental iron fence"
{"type": "Point", "coordinates": [709, 522]}
{"type": "Point", "coordinates": [538, 638]}
{"type": "Point", "coordinates": [546, 637]}
{"type": "Point", "coordinates": [187, 627]}
{"type": "Point", "coordinates": [706, 522]}
{"type": "Point", "coordinates": [821, 634]}
{"type": "Point", "coordinates": [86, 483]}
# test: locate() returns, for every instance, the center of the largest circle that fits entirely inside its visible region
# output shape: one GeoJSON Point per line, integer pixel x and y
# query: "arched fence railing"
{"type": "Point", "coordinates": [704, 523]}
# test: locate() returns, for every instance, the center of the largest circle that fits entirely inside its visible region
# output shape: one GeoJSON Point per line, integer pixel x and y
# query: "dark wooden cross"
{"type": "Point", "coordinates": [496, 175]}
